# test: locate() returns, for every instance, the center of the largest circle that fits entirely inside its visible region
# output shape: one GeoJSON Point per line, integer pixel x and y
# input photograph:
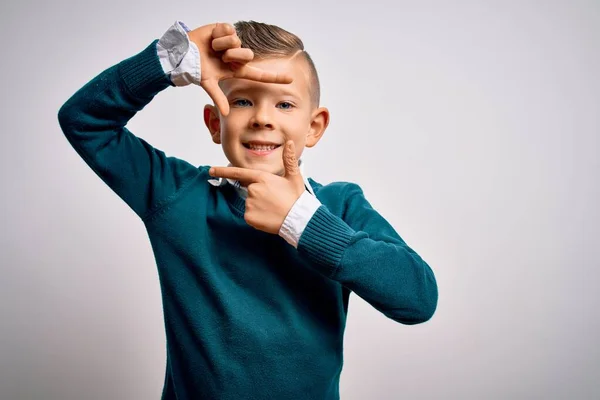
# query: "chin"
{"type": "Point", "coordinates": [257, 166]}
{"type": "Point", "coordinates": [275, 169]}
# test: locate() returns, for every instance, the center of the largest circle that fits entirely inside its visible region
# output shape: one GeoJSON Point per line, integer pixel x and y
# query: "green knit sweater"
{"type": "Point", "coordinates": [247, 315]}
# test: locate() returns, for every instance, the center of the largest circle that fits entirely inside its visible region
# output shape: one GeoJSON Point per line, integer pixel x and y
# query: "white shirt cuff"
{"type": "Point", "coordinates": [179, 57]}
{"type": "Point", "coordinates": [298, 217]}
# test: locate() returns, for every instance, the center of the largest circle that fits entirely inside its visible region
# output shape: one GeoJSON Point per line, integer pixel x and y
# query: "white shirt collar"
{"type": "Point", "coordinates": [243, 192]}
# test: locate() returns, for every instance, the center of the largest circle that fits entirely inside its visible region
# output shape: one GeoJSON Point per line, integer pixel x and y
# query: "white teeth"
{"type": "Point", "coordinates": [261, 148]}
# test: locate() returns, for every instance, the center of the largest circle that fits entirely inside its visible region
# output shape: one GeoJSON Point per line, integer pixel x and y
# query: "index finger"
{"type": "Point", "coordinates": [239, 174]}
{"type": "Point", "coordinates": [257, 74]}
{"type": "Point", "coordinates": [222, 29]}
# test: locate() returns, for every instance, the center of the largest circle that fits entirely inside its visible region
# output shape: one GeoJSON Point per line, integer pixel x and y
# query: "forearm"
{"type": "Point", "coordinates": [96, 113]}
{"type": "Point", "coordinates": [371, 260]}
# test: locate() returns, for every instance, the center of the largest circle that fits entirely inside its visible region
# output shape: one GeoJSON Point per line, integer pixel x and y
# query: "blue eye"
{"type": "Point", "coordinates": [285, 105]}
{"type": "Point", "coordinates": [241, 103]}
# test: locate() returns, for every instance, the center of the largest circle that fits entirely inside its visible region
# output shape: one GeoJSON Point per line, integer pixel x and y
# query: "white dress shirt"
{"type": "Point", "coordinates": [180, 60]}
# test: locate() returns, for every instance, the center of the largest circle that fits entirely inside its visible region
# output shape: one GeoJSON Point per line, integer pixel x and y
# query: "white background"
{"type": "Point", "coordinates": [473, 127]}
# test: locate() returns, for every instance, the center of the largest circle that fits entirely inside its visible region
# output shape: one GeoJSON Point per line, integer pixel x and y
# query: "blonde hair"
{"type": "Point", "coordinates": [270, 41]}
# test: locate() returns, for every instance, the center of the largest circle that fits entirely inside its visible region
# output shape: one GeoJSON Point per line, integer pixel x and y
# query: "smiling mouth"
{"type": "Point", "coordinates": [261, 146]}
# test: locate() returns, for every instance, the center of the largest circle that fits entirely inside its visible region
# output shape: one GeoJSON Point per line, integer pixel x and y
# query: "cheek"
{"type": "Point", "coordinates": [298, 129]}
{"type": "Point", "coordinates": [231, 130]}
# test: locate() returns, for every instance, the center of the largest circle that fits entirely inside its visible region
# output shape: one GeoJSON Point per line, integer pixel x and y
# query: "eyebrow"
{"type": "Point", "coordinates": [279, 91]}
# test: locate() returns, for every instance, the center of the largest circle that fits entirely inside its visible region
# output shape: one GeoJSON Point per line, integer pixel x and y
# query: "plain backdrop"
{"type": "Point", "coordinates": [473, 128]}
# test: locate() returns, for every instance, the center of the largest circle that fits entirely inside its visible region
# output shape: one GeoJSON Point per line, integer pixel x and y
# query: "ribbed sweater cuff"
{"type": "Point", "coordinates": [324, 240]}
{"type": "Point", "coordinates": [143, 74]}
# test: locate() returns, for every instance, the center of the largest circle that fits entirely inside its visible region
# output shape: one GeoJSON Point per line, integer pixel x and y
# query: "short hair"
{"type": "Point", "coordinates": [270, 41]}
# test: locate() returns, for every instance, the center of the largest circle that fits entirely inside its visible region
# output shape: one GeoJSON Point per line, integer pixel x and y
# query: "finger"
{"type": "Point", "coordinates": [226, 42]}
{"type": "Point", "coordinates": [290, 161]}
{"type": "Point", "coordinates": [238, 55]}
{"type": "Point", "coordinates": [211, 87]}
{"type": "Point", "coordinates": [222, 29]}
{"type": "Point", "coordinates": [257, 74]}
{"type": "Point", "coordinates": [239, 174]}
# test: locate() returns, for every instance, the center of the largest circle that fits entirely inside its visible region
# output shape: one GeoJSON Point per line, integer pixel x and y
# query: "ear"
{"type": "Point", "coordinates": [213, 122]}
{"type": "Point", "coordinates": [318, 124]}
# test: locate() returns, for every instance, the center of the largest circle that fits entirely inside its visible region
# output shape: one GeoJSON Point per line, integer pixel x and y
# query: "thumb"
{"type": "Point", "coordinates": [212, 88]}
{"type": "Point", "coordinates": [290, 161]}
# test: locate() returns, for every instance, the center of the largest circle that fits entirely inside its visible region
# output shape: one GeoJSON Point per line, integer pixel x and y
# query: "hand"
{"type": "Point", "coordinates": [270, 197]}
{"type": "Point", "coordinates": [222, 57]}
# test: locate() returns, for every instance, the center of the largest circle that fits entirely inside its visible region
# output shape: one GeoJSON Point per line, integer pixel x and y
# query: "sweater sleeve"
{"type": "Point", "coordinates": [93, 121]}
{"type": "Point", "coordinates": [363, 252]}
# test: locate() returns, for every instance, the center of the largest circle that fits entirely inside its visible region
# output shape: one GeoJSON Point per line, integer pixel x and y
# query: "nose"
{"type": "Point", "coordinates": [261, 119]}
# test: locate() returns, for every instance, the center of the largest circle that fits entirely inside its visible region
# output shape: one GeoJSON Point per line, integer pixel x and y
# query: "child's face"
{"type": "Point", "coordinates": [269, 113]}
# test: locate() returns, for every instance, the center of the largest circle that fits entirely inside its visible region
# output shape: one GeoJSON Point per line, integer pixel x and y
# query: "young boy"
{"type": "Point", "coordinates": [256, 262]}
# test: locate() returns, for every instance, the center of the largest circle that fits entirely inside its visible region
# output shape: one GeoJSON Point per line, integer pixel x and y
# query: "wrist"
{"type": "Point", "coordinates": [300, 214]}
